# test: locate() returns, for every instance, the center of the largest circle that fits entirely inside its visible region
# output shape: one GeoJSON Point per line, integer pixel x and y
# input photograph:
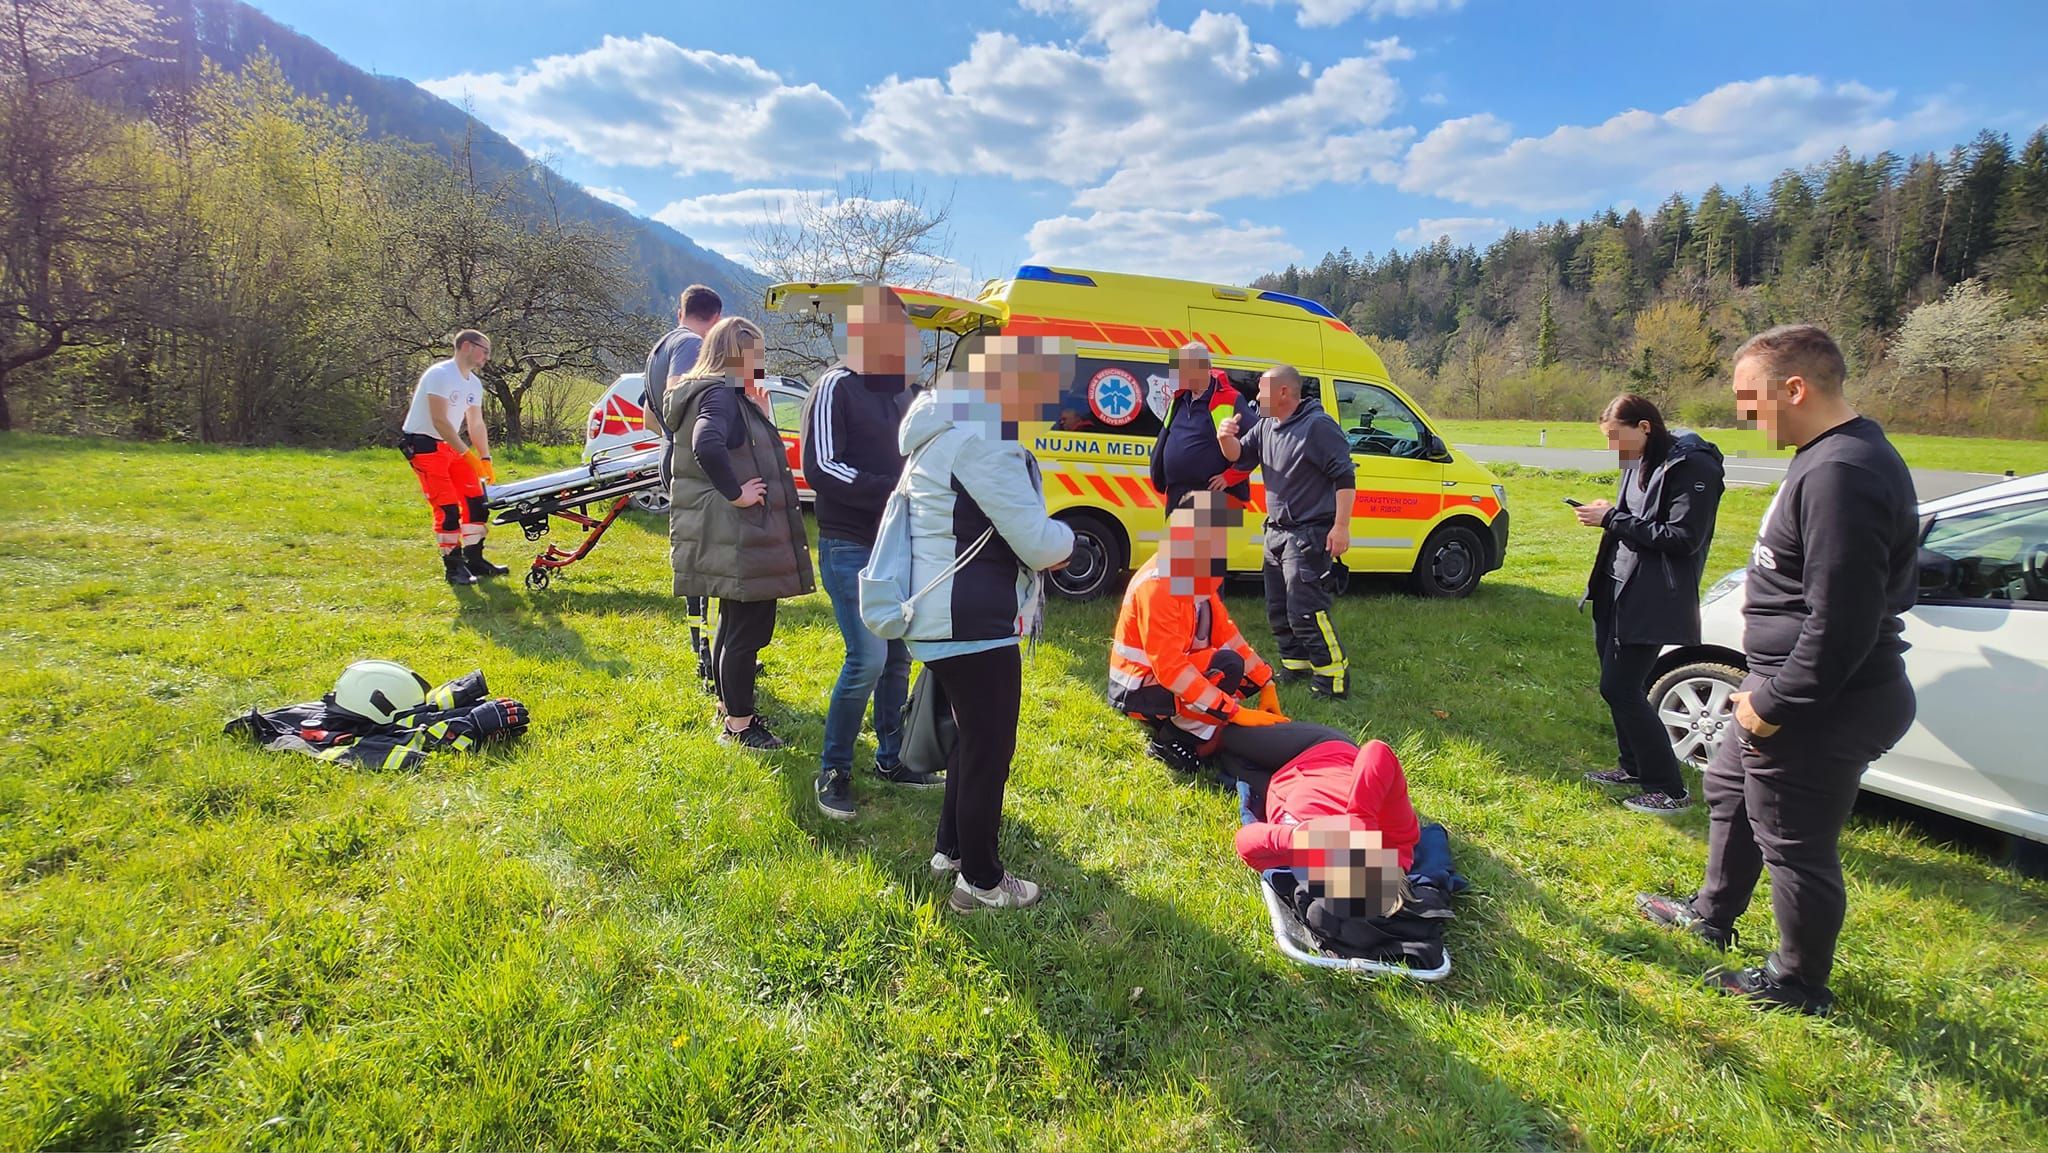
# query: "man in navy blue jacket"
{"type": "Point", "coordinates": [852, 463]}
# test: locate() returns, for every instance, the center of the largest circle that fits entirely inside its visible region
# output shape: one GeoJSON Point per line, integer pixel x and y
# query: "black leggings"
{"type": "Point", "coordinates": [744, 629]}
{"type": "Point", "coordinates": [1643, 746]}
{"type": "Point", "coordinates": [985, 690]}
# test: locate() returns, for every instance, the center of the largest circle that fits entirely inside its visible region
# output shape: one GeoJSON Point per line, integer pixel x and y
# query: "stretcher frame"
{"type": "Point", "coordinates": [1297, 944]}
{"type": "Point", "coordinates": [570, 495]}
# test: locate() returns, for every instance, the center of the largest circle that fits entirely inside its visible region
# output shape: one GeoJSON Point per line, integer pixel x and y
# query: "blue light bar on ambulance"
{"type": "Point", "coordinates": [1041, 272]}
{"type": "Point", "coordinates": [1302, 303]}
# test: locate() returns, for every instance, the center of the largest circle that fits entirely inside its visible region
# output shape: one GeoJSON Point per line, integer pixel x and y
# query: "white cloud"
{"type": "Point", "coordinates": [1461, 230]}
{"type": "Point", "coordinates": [613, 196]}
{"type": "Point", "coordinates": [1139, 113]}
{"type": "Point", "coordinates": [1330, 13]}
{"type": "Point", "coordinates": [1162, 242]}
{"type": "Point", "coordinates": [648, 102]}
{"type": "Point", "coordinates": [1742, 132]}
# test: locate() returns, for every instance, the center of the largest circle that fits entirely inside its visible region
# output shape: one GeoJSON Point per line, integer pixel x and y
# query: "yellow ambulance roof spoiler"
{"type": "Point", "coordinates": [934, 310]}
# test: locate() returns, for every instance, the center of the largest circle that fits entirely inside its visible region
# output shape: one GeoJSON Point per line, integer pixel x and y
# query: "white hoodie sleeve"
{"type": "Point", "coordinates": [998, 477]}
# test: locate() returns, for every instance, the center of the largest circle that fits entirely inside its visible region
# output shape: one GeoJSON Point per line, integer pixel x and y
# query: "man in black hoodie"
{"type": "Point", "coordinates": [1310, 486]}
{"type": "Point", "coordinates": [852, 464]}
{"type": "Point", "coordinates": [1834, 565]}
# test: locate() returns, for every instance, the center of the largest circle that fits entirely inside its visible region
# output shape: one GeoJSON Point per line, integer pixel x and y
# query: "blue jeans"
{"type": "Point", "coordinates": [874, 667]}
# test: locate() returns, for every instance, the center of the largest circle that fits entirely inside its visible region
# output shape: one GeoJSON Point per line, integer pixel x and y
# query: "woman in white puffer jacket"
{"type": "Point", "coordinates": [973, 489]}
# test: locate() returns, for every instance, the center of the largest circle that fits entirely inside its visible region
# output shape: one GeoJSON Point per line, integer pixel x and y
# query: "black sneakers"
{"type": "Point", "coordinates": [458, 573]}
{"type": "Point", "coordinates": [1328, 687]}
{"type": "Point", "coordinates": [1765, 986]}
{"type": "Point", "coordinates": [755, 737]}
{"type": "Point", "coordinates": [902, 774]}
{"type": "Point", "coordinates": [1677, 913]}
{"type": "Point", "coordinates": [835, 794]}
{"type": "Point", "coordinates": [1615, 776]}
{"type": "Point", "coordinates": [1658, 804]}
{"type": "Point", "coordinates": [473, 559]}
{"type": "Point", "coordinates": [1174, 755]}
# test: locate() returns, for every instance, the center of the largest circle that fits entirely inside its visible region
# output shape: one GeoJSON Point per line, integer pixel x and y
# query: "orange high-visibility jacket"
{"type": "Point", "coordinates": [1166, 642]}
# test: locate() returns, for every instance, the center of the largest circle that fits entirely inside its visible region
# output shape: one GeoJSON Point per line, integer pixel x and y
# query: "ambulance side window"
{"type": "Point", "coordinates": [1118, 397]}
{"type": "Point", "coordinates": [1377, 423]}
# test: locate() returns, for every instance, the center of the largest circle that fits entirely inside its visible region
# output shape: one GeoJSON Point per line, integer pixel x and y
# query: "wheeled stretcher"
{"type": "Point", "coordinates": [577, 495]}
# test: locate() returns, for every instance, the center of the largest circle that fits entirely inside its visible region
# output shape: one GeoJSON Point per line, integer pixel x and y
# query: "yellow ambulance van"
{"type": "Point", "coordinates": [1424, 509]}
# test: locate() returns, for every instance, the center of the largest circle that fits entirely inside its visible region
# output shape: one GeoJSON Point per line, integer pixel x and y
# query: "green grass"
{"type": "Point", "coordinates": [619, 934]}
{"type": "Point", "coordinates": [1940, 453]}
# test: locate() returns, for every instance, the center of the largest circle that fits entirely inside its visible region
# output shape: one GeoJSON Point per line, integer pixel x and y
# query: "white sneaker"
{"type": "Point", "coordinates": [944, 866]}
{"type": "Point", "coordinates": [1012, 892]}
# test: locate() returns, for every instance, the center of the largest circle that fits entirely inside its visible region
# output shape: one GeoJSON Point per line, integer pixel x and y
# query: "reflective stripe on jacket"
{"type": "Point", "coordinates": [1169, 641]}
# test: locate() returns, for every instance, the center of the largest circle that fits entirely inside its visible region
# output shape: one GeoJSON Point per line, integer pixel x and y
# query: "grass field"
{"type": "Point", "coordinates": [1941, 453]}
{"type": "Point", "coordinates": [617, 933]}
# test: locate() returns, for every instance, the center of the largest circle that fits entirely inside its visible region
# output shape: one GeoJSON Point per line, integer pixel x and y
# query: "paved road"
{"type": "Point", "coordinates": [1757, 470]}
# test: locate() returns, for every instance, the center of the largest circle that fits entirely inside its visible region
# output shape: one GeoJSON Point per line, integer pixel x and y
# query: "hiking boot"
{"type": "Point", "coordinates": [1659, 804]}
{"type": "Point", "coordinates": [1615, 776]}
{"type": "Point", "coordinates": [899, 773]}
{"type": "Point", "coordinates": [1288, 676]}
{"type": "Point", "coordinates": [944, 866]}
{"type": "Point", "coordinates": [1328, 687]}
{"type": "Point", "coordinates": [1677, 913]}
{"type": "Point", "coordinates": [474, 560]}
{"type": "Point", "coordinates": [835, 793]}
{"type": "Point", "coordinates": [458, 572]}
{"type": "Point", "coordinates": [1174, 755]}
{"type": "Point", "coordinates": [1766, 987]}
{"type": "Point", "coordinates": [1012, 892]}
{"type": "Point", "coordinates": [755, 737]}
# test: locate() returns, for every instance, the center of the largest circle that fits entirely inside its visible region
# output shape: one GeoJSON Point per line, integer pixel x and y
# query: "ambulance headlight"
{"type": "Point", "coordinates": [1724, 586]}
{"type": "Point", "coordinates": [1500, 493]}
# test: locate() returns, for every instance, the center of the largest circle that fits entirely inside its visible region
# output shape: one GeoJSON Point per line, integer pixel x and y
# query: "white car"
{"type": "Point", "coordinates": [619, 424]}
{"type": "Point", "coordinates": [1978, 662]}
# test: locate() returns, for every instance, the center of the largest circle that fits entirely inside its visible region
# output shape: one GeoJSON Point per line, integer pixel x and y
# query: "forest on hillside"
{"type": "Point", "coordinates": [1931, 270]}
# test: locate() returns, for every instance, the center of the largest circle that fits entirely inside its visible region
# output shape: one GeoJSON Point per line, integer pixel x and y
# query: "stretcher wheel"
{"type": "Point", "coordinates": [536, 531]}
{"type": "Point", "coordinates": [538, 578]}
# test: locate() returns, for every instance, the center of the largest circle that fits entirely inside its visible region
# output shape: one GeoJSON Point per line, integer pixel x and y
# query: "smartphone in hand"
{"type": "Point", "coordinates": [1574, 503]}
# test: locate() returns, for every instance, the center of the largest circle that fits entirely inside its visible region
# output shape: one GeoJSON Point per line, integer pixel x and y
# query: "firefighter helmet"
{"type": "Point", "coordinates": [382, 691]}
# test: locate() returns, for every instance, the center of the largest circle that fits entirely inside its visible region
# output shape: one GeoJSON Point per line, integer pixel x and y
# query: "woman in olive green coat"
{"type": "Point", "coordinates": [735, 530]}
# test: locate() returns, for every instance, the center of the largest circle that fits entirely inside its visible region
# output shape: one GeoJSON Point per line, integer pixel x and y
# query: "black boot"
{"type": "Point", "coordinates": [473, 559]}
{"type": "Point", "coordinates": [458, 572]}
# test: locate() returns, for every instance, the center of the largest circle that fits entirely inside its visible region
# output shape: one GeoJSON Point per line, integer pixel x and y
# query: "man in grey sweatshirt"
{"type": "Point", "coordinates": [1310, 486]}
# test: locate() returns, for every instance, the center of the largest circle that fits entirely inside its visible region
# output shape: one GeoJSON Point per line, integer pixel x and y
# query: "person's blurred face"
{"type": "Point", "coordinates": [879, 336]}
{"type": "Point", "coordinates": [1277, 394]}
{"type": "Point", "coordinates": [1023, 380]}
{"type": "Point", "coordinates": [1190, 373]}
{"type": "Point", "coordinates": [1763, 399]}
{"type": "Point", "coordinates": [752, 364]}
{"type": "Point", "coordinates": [1346, 862]}
{"type": "Point", "coordinates": [1626, 439]}
{"type": "Point", "coordinates": [1197, 541]}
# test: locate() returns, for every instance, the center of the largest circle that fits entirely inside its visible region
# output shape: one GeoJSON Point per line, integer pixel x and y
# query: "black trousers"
{"type": "Point", "coordinates": [1781, 801]}
{"type": "Point", "coordinates": [1298, 602]}
{"type": "Point", "coordinates": [986, 690]}
{"type": "Point", "coordinates": [744, 629]}
{"type": "Point", "coordinates": [1267, 748]}
{"type": "Point", "coordinates": [1157, 703]}
{"type": "Point", "coordinates": [1644, 746]}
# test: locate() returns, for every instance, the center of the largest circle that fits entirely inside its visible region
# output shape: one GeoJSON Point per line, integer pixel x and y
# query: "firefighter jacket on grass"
{"type": "Point", "coordinates": [459, 715]}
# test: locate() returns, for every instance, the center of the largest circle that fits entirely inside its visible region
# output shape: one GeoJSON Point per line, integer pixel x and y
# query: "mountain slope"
{"type": "Point", "coordinates": [229, 32]}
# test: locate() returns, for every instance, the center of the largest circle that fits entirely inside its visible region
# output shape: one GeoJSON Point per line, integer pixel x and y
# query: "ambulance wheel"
{"type": "Point", "coordinates": [1450, 563]}
{"type": "Point", "coordinates": [537, 579]}
{"type": "Point", "coordinates": [653, 500]}
{"type": "Point", "coordinates": [1099, 559]}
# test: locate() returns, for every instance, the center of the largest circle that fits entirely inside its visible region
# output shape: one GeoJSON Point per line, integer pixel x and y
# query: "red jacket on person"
{"type": "Point", "coordinates": [1333, 779]}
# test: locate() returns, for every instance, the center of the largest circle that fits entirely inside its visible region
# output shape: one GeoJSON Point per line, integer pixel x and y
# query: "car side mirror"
{"type": "Point", "coordinates": [1436, 448]}
{"type": "Point", "coordinates": [1937, 572]}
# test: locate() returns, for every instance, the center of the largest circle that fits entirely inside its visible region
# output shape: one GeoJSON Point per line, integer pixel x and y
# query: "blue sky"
{"type": "Point", "coordinates": [1212, 140]}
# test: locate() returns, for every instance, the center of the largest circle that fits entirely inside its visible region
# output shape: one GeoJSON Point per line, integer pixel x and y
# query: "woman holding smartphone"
{"type": "Point", "coordinates": [1645, 585]}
